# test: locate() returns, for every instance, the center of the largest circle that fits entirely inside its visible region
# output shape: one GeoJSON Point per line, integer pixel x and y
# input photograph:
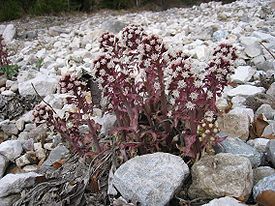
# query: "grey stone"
{"type": "Point", "coordinates": [221, 175]}
{"type": "Point", "coordinates": [151, 179]}
{"type": "Point", "coordinates": [3, 80]}
{"type": "Point", "coordinates": [267, 183]}
{"type": "Point", "coordinates": [11, 149]}
{"type": "Point", "coordinates": [9, 128]}
{"type": "Point", "coordinates": [9, 33]}
{"type": "Point", "coordinates": [271, 151]}
{"type": "Point", "coordinates": [113, 25]}
{"type": "Point", "coordinates": [26, 159]}
{"type": "Point", "coordinates": [255, 101]}
{"type": "Point", "coordinates": [266, 65]}
{"type": "Point", "coordinates": [56, 154]}
{"type": "Point", "coordinates": [267, 110]}
{"type": "Point", "coordinates": [220, 35]}
{"type": "Point", "coordinates": [29, 35]}
{"type": "Point", "coordinates": [3, 165]}
{"type": "Point", "coordinates": [2, 28]}
{"type": "Point", "coordinates": [269, 130]}
{"type": "Point", "coordinates": [261, 172]}
{"type": "Point", "coordinates": [260, 144]}
{"type": "Point", "coordinates": [248, 40]}
{"type": "Point", "coordinates": [238, 147]}
{"type": "Point", "coordinates": [225, 201]}
{"type": "Point", "coordinates": [271, 90]}
{"type": "Point", "coordinates": [14, 183]}
{"type": "Point", "coordinates": [107, 122]}
{"type": "Point", "coordinates": [9, 200]}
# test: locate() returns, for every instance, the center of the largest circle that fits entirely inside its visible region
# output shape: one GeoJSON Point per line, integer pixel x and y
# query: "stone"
{"type": "Point", "coordinates": [243, 74]}
{"type": "Point", "coordinates": [248, 40]}
{"type": "Point", "coordinates": [271, 90]}
{"type": "Point", "coordinates": [55, 155]}
{"type": "Point", "coordinates": [39, 151]}
{"type": "Point", "coordinates": [45, 85]}
{"type": "Point", "coordinates": [253, 50]}
{"type": "Point", "coordinates": [219, 35]}
{"type": "Point", "coordinates": [2, 28]}
{"type": "Point", "coordinates": [225, 201]}
{"type": "Point", "coordinates": [266, 65]}
{"type": "Point", "coordinates": [107, 122]}
{"type": "Point", "coordinates": [238, 101]}
{"type": "Point", "coordinates": [236, 122]}
{"type": "Point", "coordinates": [255, 101]}
{"type": "Point", "coordinates": [3, 165]}
{"type": "Point", "coordinates": [238, 147]}
{"type": "Point", "coordinates": [3, 80]}
{"type": "Point", "coordinates": [269, 130]}
{"type": "Point", "coordinates": [30, 168]}
{"type": "Point", "coordinates": [202, 52]}
{"type": "Point", "coordinates": [151, 179]}
{"type": "Point", "coordinates": [267, 110]}
{"type": "Point", "coordinates": [9, 33]}
{"type": "Point", "coordinates": [11, 149]}
{"type": "Point", "coordinates": [9, 200]}
{"type": "Point", "coordinates": [14, 183]}
{"type": "Point", "coordinates": [264, 185]}
{"type": "Point", "coordinates": [260, 144]}
{"type": "Point", "coordinates": [20, 123]}
{"type": "Point", "coordinates": [29, 35]}
{"type": "Point", "coordinates": [56, 30]}
{"type": "Point", "coordinates": [221, 175]}
{"type": "Point", "coordinates": [9, 128]}
{"type": "Point", "coordinates": [113, 25]}
{"type": "Point", "coordinates": [245, 90]}
{"type": "Point", "coordinates": [26, 159]}
{"type": "Point", "coordinates": [261, 172]}
{"type": "Point", "coordinates": [271, 151]}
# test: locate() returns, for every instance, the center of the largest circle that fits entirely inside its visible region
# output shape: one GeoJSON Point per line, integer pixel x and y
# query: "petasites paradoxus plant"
{"type": "Point", "coordinates": [83, 141]}
{"type": "Point", "coordinates": [6, 68]}
{"type": "Point", "coordinates": [159, 97]}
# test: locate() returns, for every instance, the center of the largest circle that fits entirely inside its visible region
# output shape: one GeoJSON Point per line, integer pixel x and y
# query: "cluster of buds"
{"type": "Point", "coordinates": [207, 132]}
{"type": "Point", "coordinates": [220, 68]}
{"type": "Point", "coordinates": [3, 53]}
{"type": "Point", "coordinates": [42, 113]}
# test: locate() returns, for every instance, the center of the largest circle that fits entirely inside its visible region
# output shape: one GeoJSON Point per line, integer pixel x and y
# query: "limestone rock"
{"type": "Point", "coordinates": [267, 184]}
{"type": "Point", "coordinates": [3, 165]}
{"type": "Point", "coordinates": [11, 149]}
{"type": "Point", "coordinates": [243, 74]}
{"type": "Point", "coordinates": [261, 172]}
{"type": "Point", "coordinates": [221, 175]}
{"type": "Point", "coordinates": [14, 183]}
{"type": "Point", "coordinates": [238, 147]}
{"type": "Point", "coordinates": [245, 90]}
{"type": "Point", "coordinates": [224, 201]}
{"type": "Point", "coordinates": [9, 33]}
{"type": "Point", "coordinates": [151, 179]}
{"type": "Point", "coordinates": [271, 151]}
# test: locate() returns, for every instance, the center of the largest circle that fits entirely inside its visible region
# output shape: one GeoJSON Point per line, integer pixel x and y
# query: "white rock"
{"type": "Point", "coordinates": [14, 183]}
{"type": "Point", "coordinates": [9, 33]}
{"type": "Point", "coordinates": [44, 85]}
{"type": "Point", "coordinates": [253, 50]}
{"type": "Point", "coordinates": [267, 110]}
{"type": "Point", "coordinates": [243, 74]}
{"type": "Point", "coordinates": [151, 179]}
{"type": "Point", "coordinates": [107, 122]}
{"type": "Point", "coordinates": [11, 149]}
{"type": "Point", "coordinates": [2, 28]}
{"type": "Point", "coordinates": [225, 201]}
{"type": "Point", "coordinates": [245, 90]}
{"type": "Point", "coordinates": [202, 52]}
{"type": "Point", "coordinates": [248, 40]}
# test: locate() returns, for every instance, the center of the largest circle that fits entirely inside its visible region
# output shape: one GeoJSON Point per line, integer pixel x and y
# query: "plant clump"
{"type": "Point", "coordinates": [161, 99]}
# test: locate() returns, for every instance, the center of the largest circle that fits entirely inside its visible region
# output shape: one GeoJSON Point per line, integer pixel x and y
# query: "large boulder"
{"type": "Point", "coordinates": [151, 179]}
{"type": "Point", "coordinates": [221, 175]}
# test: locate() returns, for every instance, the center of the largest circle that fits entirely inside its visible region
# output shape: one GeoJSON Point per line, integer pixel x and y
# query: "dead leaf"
{"type": "Point", "coordinates": [258, 126]}
{"type": "Point", "coordinates": [58, 164]}
{"type": "Point", "coordinates": [266, 198]}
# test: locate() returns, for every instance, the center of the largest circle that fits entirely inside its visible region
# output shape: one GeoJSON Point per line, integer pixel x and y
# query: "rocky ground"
{"type": "Point", "coordinates": [33, 170]}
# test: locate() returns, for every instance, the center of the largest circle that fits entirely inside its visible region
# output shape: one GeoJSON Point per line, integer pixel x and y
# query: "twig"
{"type": "Point", "coordinates": [43, 99]}
{"type": "Point", "coordinates": [267, 50]}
